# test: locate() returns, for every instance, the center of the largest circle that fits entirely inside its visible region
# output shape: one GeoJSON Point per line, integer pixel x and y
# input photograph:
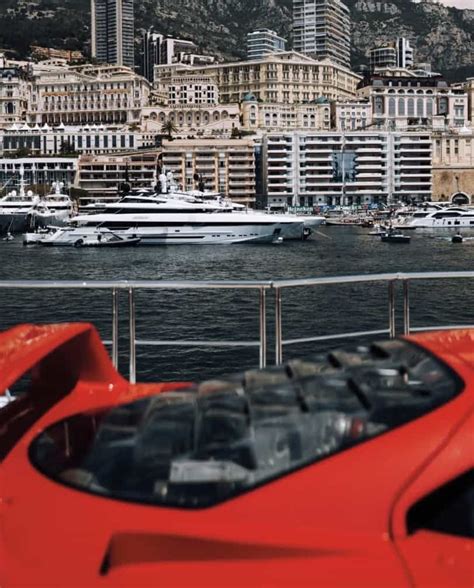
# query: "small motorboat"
{"type": "Point", "coordinates": [457, 238]}
{"type": "Point", "coordinates": [378, 230]}
{"type": "Point", "coordinates": [107, 240]}
{"type": "Point", "coordinates": [395, 236]}
{"type": "Point", "coordinates": [8, 237]}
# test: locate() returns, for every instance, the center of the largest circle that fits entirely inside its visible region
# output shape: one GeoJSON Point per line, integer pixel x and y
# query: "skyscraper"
{"type": "Point", "coordinates": [112, 30]}
{"type": "Point", "coordinates": [322, 29]}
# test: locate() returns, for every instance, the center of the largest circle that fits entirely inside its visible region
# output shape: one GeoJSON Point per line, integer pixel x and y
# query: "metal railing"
{"type": "Point", "coordinates": [261, 287]}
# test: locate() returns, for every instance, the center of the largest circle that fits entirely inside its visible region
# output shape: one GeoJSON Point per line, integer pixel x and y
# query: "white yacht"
{"type": "Point", "coordinates": [23, 210]}
{"type": "Point", "coordinates": [164, 219]}
{"type": "Point", "coordinates": [451, 217]}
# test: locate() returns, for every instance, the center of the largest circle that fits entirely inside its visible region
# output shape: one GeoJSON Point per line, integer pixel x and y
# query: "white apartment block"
{"type": "Point", "coordinates": [262, 42]}
{"type": "Point", "coordinates": [101, 175]}
{"type": "Point", "coordinates": [403, 102]}
{"type": "Point", "coordinates": [262, 116]}
{"type": "Point", "coordinates": [226, 165]}
{"type": "Point", "coordinates": [192, 119]}
{"type": "Point", "coordinates": [286, 77]}
{"type": "Point", "coordinates": [322, 29]}
{"type": "Point", "coordinates": [351, 115]}
{"type": "Point", "coordinates": [37, 171]}
{"type": "Point", "coordinates": [334, 168]}
{"type": "Point", "coordinates": [93, 139]}
{"type": "Point", "coordinates": [87, 95]}
{"type": "Point", "coordinates": [15, 89]}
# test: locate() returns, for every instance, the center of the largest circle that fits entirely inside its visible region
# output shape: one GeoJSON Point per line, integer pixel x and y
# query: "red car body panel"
{"type": "Point", "coordinates": [338, 522]}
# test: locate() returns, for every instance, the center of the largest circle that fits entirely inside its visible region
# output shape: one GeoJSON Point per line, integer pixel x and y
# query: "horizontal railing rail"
{"type": "Point", "coordinates": [261, 287]}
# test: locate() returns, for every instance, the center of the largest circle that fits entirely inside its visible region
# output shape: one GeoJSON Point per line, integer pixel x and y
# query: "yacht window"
{"type": "Point", "coordinates": [198, 447]}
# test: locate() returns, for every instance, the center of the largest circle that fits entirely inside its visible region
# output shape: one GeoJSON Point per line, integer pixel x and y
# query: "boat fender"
{"type": "Point", "coordinates": [79, 243]}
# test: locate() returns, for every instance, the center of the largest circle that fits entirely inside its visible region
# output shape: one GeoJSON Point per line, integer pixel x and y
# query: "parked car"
{"type": "Point", "coordinates": [351, 468]}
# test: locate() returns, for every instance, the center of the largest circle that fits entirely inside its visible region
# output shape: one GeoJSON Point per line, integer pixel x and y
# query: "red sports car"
{"type": "Point", "coordinates": [352, 468]}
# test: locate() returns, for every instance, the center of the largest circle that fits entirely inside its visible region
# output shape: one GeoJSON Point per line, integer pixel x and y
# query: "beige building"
{"type": "Point", "coordinates": [263, 116]}
{"type": "Point", "coordinates": [192, 119]}
{"type": "Point", "coordinates": [286, 77]}
{"type": "Point", "coordinates": [351, 115]}
{"type": "Point", "coordinates": [15, 89]}
{"type": "Point", "coordinates": [453, 166]}
{"type": "Point", "coordinates": [226, 165]}
{"type": "Point", "coordinates": [101, 175]}
{"type": "Point", "coordinates": [85, 95]}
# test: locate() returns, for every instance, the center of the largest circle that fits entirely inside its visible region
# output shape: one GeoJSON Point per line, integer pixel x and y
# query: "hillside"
{"type": "Point", "coordinates": [439, 34]}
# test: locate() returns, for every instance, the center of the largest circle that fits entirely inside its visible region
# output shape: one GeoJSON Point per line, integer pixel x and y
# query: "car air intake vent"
{"type": "Point", "coordinates": [198, 447]}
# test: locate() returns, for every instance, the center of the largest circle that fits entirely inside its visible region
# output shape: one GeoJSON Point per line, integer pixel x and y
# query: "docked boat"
{"type": "Point", "coordinates": [164, 219]}
{"type": "Point", "coordinates": [24, 211]}
{"type": "Point", "coordinates": [457, 238]}
{"type": "Point", "coordinates": [395, 236]}
{"type": "Point", "coordinates": [451, 217]}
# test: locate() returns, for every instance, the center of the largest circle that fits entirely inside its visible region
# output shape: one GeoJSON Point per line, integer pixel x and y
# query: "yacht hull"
{"type": "Point", "coordinates": [180, 235]}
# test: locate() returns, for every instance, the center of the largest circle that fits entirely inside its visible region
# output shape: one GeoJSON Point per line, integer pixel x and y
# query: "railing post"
{"type": "Point", "coordinates": [263, 328]}
{"type": "Point", "coordinates": [278, 329]}
{"type": "Point", "coordinates": [115, 327]}
{"type": "Point", "coordinates": [406, 307]}
{"type": "Point", "coordinates": [132, 335]}
{"type": "Point", "coordinates": [391, 309]}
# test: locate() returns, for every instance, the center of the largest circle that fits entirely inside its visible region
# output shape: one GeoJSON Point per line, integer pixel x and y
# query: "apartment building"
{"type": "Point", "coordinates": [322, 29]}
{"type": "Point", "coordinates": [335, 168]}
{"type": "Point", "coordinates": [225, 165]}
{"type": "Point", "coordinates": [406, 101]}
{"type": "Point", "coordinates": [398, 53]}
{"type": "Point", "coordinates": [102, 175]}
{"type": "Point", "coordinates": [37, 171]}
{"type": "Point", "coordinates": [286, 77]}
{"type": "Point", "coordinates": [86, 95]}
{"type": "Point", "coordinates": [262, 42]}
{"type": "Point", "coordinates": [112, 32]}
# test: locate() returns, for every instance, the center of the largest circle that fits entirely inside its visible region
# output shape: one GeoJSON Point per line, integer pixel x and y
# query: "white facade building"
{"type": "Point", "coordinates": [353, 168]}
{"type": "Point", "coordinates": [322, 29]}
{"type": "Point", "coordinates": [262, 42]}
{"type": "Point", "coordinates": [351, 115]}
{"type": "Point", "coordinates": [92, 139]}
{"type": "Point", "coordinates": [15, 88]}
{"type": "Point", "coordinates": [87, 95]}
{"type": "Point", "coordinates": [407, 101]}
{"type": "Point", "coordinates": [262, 116]}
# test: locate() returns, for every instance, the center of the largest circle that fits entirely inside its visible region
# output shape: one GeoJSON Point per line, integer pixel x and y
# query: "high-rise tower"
{"type": "Point", "coordinates": [322, 28]}
{"type": "Point", "coordinates": [112, 30]}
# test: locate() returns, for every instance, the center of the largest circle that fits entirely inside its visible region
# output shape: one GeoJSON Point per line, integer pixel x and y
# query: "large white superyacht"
{"type": "Point", "coordinates": [443, 217]}
{"type": "Point", "coordinates": [178, 218]}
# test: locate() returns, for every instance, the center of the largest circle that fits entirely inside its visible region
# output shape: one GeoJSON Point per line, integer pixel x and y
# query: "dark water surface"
{"type": "Point", "coordinates": [233, 315]}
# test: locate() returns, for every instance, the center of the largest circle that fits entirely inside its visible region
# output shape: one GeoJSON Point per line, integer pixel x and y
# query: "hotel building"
{"type": "Point", "coordinates": [15, 86]}
{"type": "Point", "coordinates": [334, 168]}
{"type": "Point", "coordinates": [322, 29]}
{"type": "Point", "coordinates": [112, 32]}
{"type": "Point", "coordinates": [109, 95]}
{"type": "Point", "coordinates": [287, 77]}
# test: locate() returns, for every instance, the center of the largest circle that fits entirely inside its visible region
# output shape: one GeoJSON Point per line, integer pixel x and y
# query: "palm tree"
{"type": "Point", "coordinates": [169, 128]}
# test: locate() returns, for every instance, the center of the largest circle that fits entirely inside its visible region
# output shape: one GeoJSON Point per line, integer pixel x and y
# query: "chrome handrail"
{"type": "Point", "coordinates": [131, 286]}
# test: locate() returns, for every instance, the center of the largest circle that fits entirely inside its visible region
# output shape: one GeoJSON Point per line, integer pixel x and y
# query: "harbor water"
{"type": "Point", "coordinates": [233, 315]}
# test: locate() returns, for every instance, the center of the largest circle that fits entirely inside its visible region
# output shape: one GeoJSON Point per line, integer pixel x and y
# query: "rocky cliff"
{"type": "Point", "coordinates": [441, 35]}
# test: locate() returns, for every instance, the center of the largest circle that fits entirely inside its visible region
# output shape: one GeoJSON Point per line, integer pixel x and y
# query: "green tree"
{"type": "Point", "coordinates": [169, 128]}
